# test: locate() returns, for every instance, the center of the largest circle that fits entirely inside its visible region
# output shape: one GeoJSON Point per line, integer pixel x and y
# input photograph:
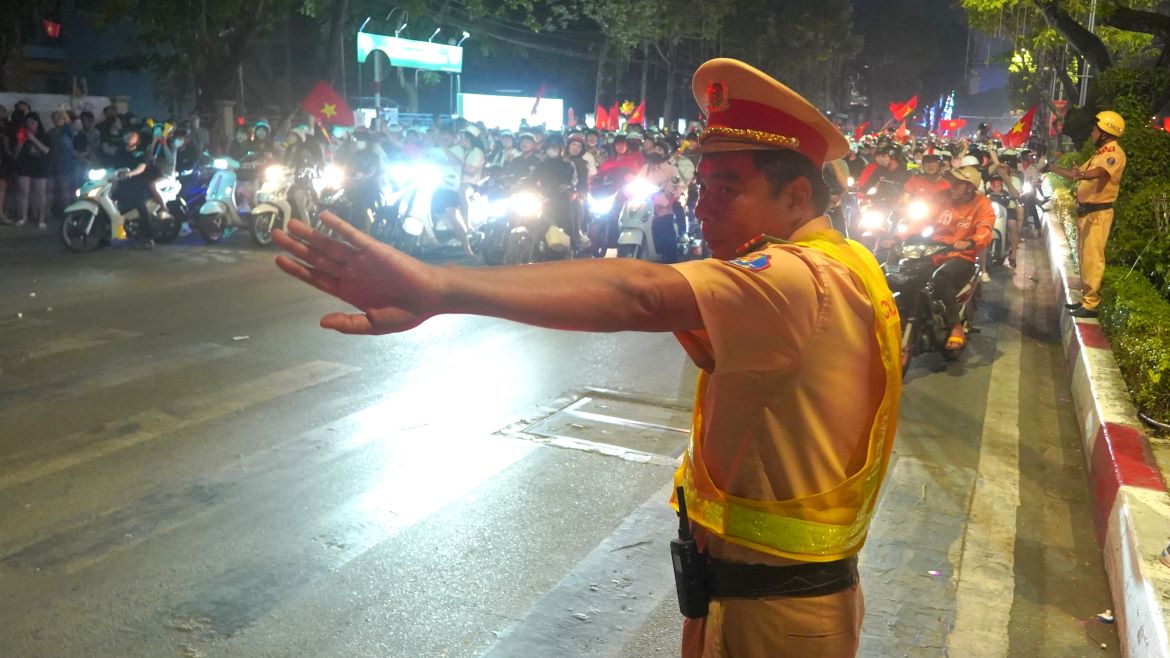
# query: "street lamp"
{"type": "Point", "coordinates": [434, 34]}
{"type": "Point", "coordinates": [399, 30]}
{"type": "Point", "coordinates": [466, 36]}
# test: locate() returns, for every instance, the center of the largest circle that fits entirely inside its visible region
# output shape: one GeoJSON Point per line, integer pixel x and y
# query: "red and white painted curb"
{"type": "Point", "coordinates": [1130, 501]}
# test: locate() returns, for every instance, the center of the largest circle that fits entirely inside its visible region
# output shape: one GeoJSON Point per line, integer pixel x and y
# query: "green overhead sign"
{"type": "Point", "coordinates": [410, 53]}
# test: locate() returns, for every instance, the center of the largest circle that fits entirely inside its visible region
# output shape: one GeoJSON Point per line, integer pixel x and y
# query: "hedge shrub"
{"type": "Point", "coordinates": [1136, 237]}
{"type": "Point", "coordinates": [1137, 320]}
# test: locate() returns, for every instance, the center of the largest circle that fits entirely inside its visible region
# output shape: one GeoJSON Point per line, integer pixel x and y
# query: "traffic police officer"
{"type": "Point", "coordinates": [796, 337]}
{"type": "Point", "coordinates": [1098, 181]}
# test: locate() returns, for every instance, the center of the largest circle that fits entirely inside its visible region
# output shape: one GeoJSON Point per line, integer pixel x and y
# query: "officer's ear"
{"type": "Point", "coordinates": [797, 194]}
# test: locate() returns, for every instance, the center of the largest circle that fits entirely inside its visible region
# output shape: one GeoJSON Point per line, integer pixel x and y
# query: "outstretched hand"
{"type": "Point", "coordinates": [393, 291]}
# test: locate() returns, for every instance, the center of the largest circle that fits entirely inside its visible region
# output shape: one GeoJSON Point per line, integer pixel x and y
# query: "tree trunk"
{"type": "Point", "coordinates": [668, 101]}
{"type": "Point", "coordinates": [333, 45]}
{"type": "Point", "coordinates": [1086, 43]}
{"type": "Point", "coordinates": [601, 56]}
{"type": "Point", "coordinates": [645, 69]}
{"type": "Point", "coordinates": [410, 89]}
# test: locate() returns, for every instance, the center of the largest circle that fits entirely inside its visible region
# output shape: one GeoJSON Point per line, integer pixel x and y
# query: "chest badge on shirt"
{"type": "Point", "coordinates": [753, 262]}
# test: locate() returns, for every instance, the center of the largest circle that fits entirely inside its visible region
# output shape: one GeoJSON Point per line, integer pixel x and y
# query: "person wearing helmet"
{"type": "Point", "coordinates": [624, 156]}
{"type": "Point", "coordinates": [505, 149]}
{"type": "Point", "coordinates": [521, 165]}
{"type": "Point", "coordinates": [966, 223]}
{"type": "Point", "coordinates": [1098, 181]}
{"type": "Point", "coordinates": [930, 182]}
{"type": "Point", "coordinates": [886, 173]}
{"type": "Point", "coordinates": [262, 142]}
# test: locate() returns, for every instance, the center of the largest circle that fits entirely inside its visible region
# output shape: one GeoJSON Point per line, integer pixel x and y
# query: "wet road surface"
{"type": "Point", "coordinates": [190, 467]}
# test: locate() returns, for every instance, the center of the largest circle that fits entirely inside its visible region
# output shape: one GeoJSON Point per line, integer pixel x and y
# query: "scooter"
{"type": "Point", "coordinates": [94, 219]}
{"type": "Point", "coordinates": [636, 221]}
{"type": "Point", "coordinates": [273, 208]}
{"type": "Point", "coordinates": [520, 231]}
{"type": "Point", "coordinates": [220, 214]}
{"type": "Point", "coordinates": [909, 270]}
{"type": "Point", "coordinates": [997, 251]}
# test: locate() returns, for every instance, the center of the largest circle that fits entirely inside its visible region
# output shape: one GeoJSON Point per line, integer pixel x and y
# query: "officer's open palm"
{"type": "Point", "coordinates": [392, 290]}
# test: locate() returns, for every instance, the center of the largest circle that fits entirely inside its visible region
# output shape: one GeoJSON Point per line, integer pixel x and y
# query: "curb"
{"type": "Point", "coordinates": [1129, 497]}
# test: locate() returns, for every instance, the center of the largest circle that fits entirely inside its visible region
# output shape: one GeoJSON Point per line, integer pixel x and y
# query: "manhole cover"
{"type": "Point", "coordinates": [615, 423]}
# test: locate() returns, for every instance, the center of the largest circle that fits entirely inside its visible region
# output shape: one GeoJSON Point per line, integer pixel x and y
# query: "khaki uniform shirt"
{"type": "Point", "coordinates": [795, 376]}
{"type": "Point", "coordinates": [1099, 190]}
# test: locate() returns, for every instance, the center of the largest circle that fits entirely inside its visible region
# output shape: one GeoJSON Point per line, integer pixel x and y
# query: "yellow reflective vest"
{"type": "Point", "coordinates": [829, 525]}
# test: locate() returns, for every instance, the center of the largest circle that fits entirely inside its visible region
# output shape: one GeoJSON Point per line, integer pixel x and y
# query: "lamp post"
{"type": "Point", "coordinates": [458, 77]}
{"type": "Point", "coordinates": [1085, 70]}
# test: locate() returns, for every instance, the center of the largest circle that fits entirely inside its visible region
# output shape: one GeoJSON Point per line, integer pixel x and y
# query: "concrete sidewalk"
{"type": "Point", "coordinates": [1130, 499]}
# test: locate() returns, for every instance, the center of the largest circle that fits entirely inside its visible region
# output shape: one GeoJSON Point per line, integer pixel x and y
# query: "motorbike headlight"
{"type": "Point", "coordinates": [275, 173]}
{"type": "Point", "coordinates": [928, 231]}
{"type": "Point", "coordinates": [918, 210]}
{"type": "Point", "coordinates": [401, 175]}
{"type": "Point", "coordinates": [1027, 189]}
{"type": "Point", "coordinates": [413, 226]}
{"type": "Point", "coordinates": [526, 205]}
{"type": "Point", "coordinates": [96, 174]}
{"type": "Point", "coordinates": [220, 163]}
{"type": "Point", "coordinates": [603, 205]}
{"type": "Point", "coordinates": [499, 208]}
{"type": "Point", "coordinates": [872, 190]}
{"type": "Point", "coordinates": [333, 176]}
{"type": "Point", "coordinates": [428, 176]}
{"type": "Point", "coordinates": [872, 220]}
{"type": "Point", "coordinates": [850, 182]}
{"type": "Point", "coordinates": [94, 193]}
{"type": "Point", "coordinates": [640, 188]}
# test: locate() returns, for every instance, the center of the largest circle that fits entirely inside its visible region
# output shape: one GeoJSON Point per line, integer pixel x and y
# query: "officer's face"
{"type": "Point", "coordinates": [736, 203]}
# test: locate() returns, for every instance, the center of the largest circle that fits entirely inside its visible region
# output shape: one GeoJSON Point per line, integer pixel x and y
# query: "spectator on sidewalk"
{"type": "Point", "coordinates": [6, 170]}
{"type": "Point", "coordinates": [62, 161]}
{"type": "Point", "coordinates": [32, 170]}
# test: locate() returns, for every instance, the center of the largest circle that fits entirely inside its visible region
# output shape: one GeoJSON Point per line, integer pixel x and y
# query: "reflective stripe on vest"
{"type": "Point", "coordinates": [826, 526]}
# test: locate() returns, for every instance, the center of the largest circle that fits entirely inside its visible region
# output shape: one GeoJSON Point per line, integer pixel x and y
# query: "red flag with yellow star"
{"type": "Point", "coordinates": [326, 106]}
{"type": "Point", "coordinates": [1018, 135]}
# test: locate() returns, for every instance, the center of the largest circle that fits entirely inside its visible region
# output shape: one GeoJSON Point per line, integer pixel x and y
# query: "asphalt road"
{"type": "Point", "coordinates": [190, 467]}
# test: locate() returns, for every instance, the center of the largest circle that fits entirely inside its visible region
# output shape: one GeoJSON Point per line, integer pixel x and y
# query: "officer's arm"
{"type": "Point", "coordinates": [395, 292]}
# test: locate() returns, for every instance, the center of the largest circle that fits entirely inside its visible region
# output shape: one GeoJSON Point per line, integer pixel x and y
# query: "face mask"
{"type": "Point", "coordinates": [179, 143]}
{"type": "Point", "coordinates": [361, 146]}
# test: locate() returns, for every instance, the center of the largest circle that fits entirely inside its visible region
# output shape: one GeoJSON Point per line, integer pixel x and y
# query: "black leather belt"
{"type": "Point", "coordinates": [1086, 208]}
{"type": "Point", "coordinates": [731, 580]}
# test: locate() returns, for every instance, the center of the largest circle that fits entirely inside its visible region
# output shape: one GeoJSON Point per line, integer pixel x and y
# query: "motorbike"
{"type": "Point", "coordinates": [908, 270]}
{"type": "Point", "coordinates": [520, 230]}
{"type": "Point", "coordinates": [997, 251]}
{"type": "Point", "coordinates": [220, 213]}
{"type": "Point", "coordinates": [274, 203]}
{"type": "Point", "coordinates": [646, 204]}
{"type": "Point", "coordinates": [606, 197]}
{"type": "Point", "coordinates": [95, 218]}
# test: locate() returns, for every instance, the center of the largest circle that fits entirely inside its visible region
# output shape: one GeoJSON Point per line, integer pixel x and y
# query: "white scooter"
{"type": "Point", "coordinates": [220, 212]}
{"type": "Point", "coordinates": [273, 209]}
{"type": "Point", "coordinates": [94, 219]}
{"type": "Point", "coordinates": [635, 221]}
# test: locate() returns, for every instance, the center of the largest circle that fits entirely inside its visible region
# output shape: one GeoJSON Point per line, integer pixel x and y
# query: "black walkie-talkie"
{"type": "Point", "coordinates": [689, 571]}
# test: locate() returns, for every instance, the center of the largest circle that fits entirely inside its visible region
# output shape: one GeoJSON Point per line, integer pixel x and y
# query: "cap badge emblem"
{"type": "Point", "coordinates": [717, 98]}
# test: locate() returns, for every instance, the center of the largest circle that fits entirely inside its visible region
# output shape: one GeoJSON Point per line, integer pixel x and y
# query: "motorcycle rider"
{"type": "Point", "coordinates": [886, 173]}
{"type": "Point", "coordinates": [136, 185]}
{"type": "Point", "coordinates": [623, 157]}
{"type": "Point", "coordinates": [931, 182]}
{"type": "Point", "coordinates": [966, 223]}
{"type": "Point", "coordinates": [669, 216]}
{"type": "Point", "coordinates": [505, 150]}
{"type": "Point", "coordinates": [523, 164]}
{"type": "Point", "coordinates": [556, 178]}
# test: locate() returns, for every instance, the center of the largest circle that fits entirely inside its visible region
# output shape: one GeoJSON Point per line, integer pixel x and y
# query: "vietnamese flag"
{"type": "Point", "coordinates": [860, 130]}
{"type": "Point", "coordinates": [1166, 124]}
{"type": "Point", "coordinates": [903, 110]}
{"type": "Point", "coordinates": [602, 120]}
{"type": "Point", "coordinates": [539, 95]}
{"type": "Point", "coordinates": [951, 125]}
{"type": "Point", "coordinates": [902, 134]}
{"type": "Point", "coordinates": [639, 115]}
{"type": "Point", "coordinates": [1018, 135]}
{"type": "Point", "coordinates": [326, 106]}
{"type": "Point", "coordinates": [615, 117]}
{"type": "Point", "coordinates": [572, 121]}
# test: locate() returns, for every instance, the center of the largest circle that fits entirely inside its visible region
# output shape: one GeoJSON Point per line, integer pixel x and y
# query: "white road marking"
{"type": "Point", "coordinates": [82, 342]}
{"type": "Point", "coordinates": [986, 572]}
{"type": "Point", "coordinates": [153, 424]}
